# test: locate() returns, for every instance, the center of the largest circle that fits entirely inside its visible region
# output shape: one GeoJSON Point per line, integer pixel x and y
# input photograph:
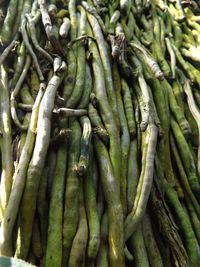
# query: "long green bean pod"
{"type": "Point", "coordinates": [100, 196]}
{"type": "Point", "coordinates": [172, 57]}
{"type": "Point", "coordinates": [92, 214]}
{"type": "Point", "coordinates": [90, 9]}
{"type": "Point", "coordinates": [51, 163]}
{"type": "Point", "coordinates": [5, 142]}
{"type": "Point", "coordinates": [195, 112]}
{"type": "Point", "coordinates": [6, 32]}
{"type": "Point", "coordinates": [113, 20]}
{"type": "Point", "coordinates": [197, 96]}
{"type": "Point", "coordinates": [19, 179]}
{"type": "Point", "coordinates": [150, 243]}
{"type": "Point", "coordinates": [34, 82]}
{"type": "Point", "coordinates": [158, 48]}
{"type": "Point", "coordinates": [192, 53]}
{"type": "Point", "coordinates": [71, 202]}
{"type": "Point", "coordinates": [133, 174]}
{"type": "Point", "coordinates": [106, 64]}
{"type": "Point", "coordinates": [187, 159]}
{"type": "Point", "coordinates": [102, 258]}
{"type": "Point", "coordinates": [183, 176]}
{"type": "Point", "coordinates": [190, 240]}
{"type": "Point", "coordinates": [97, 124]}
{"type": "Point", "coordinates": [8, 49]}
{"type": "Point", "coordinates": [38, 159]}
{"type": "Point", "coordinates": [145, 181]}
{"type": "Point", "coordinates": [42, 207]}
{"type": "Point", "coordinates": [50, 29]}
{"type": "Point", "coordinates": [149, 60]}
{"type": "Point", "coordinates": [178, 93]}
{"type": "Point", "coordinates": [167, 229]}
{"type": "Point", "coordinates": [131, 24]}
{"type": "Point", "coordinates": [193, 125]}
{"type": "Point", "coordinates": [162, 34]}
{"type": "Point", "coordinates": [125, 139]}
{"type": "Point", "coordinates": [139, 249]}
{"type": "Point", "coordinates": [70, 78]}
{"type": "Point", "coordinates": [85, 145]}
{"type": "Point", "coordinates": [30, 50]}
{"type": "Point", "coordinates": [27, 99]}
{"type": "Point", "coordinates": [115, 212]}
{"type": "Point", "coordinates": [76, 94]}
{"type": "Point", "coordinates": [185, 65]}
{"type": "Point", "coordinates": [163, 113]}
{"type": "Point", "coordinates": [64, 28]}
{"type": "Point", "coordinates": [18, 16]}
{"type": "Point", "coordinates": [36, 243]}
{"type": "Point", "coordinates": [31, 22]}
{"type": "Point", "coordinates": [15, 93]}
{"type": "Point", "coordinates": [73, 18]}
{"type": "Point", "coordinates": [176, 110]}
{"type": "Point", "coordinates": [69, 112]}
{"type": "Point", "coordinates": [79, 245]}
{"type": "Point", "coordinates": [144, 101]}
{"type": "Point", "coordinates": [108, 117]}
{"type": "Point", "coordinates": [194, 218]}
{"type": "Point", "coordinates": [21, 51]}
{"type": "Point", "coordinates": [87, 88]}
{"type": "Point", "coordinates": [54, 240]}
{"type": "Point", "coordinates": [128, 106]}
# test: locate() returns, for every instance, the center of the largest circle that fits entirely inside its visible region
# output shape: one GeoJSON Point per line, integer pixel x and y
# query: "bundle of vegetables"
{"type": "Point", "coordinates": [100, 132]}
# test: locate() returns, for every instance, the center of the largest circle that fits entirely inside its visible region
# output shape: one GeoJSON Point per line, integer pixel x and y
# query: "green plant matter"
{"type": "Point", "coordinates": [99, 133]}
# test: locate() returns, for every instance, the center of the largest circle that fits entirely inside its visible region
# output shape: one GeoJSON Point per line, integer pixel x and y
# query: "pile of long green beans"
{"type": "Point", "coordinates": [100, 132]}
